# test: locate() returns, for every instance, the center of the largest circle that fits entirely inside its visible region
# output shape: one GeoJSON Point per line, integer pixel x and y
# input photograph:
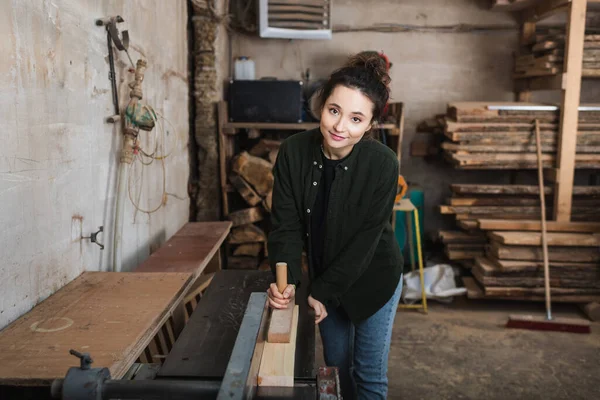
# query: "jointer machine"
{"type": "Point", "coordinates": [218, 354]}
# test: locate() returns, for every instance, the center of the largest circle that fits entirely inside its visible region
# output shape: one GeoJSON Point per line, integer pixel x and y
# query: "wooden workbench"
{"type": "Point", "coordinates": [111, 315]}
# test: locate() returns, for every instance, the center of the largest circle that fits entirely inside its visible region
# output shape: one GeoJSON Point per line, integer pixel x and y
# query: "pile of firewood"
{"type": "Point", "coordinates": [545, 56]}
{"type": "Point", "coordinates": [252, 177]}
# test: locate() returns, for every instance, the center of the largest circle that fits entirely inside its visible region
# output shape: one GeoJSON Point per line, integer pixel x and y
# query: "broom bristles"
{"type": "Point", "coordinates": [542, 324]}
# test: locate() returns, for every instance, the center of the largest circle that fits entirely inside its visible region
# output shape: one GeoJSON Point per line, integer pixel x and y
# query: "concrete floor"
{"type": "Point", "coordinates": [463, 351]}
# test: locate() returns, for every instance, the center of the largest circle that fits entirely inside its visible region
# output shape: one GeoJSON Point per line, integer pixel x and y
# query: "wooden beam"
{"type": "Point", "coordinates": [525, 225]}
{"type": "Point", "coordinates": [545, 9]}
{"type": "Point", "coordinates": [567, 139]}
{"type": "Point", "coordinates": [278, 359]}
{"type": "Point", "coordinates": [554, 239]}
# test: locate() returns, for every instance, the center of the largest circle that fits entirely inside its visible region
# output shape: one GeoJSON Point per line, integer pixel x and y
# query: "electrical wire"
{"type": "Point", "coordinates": [141, 153]}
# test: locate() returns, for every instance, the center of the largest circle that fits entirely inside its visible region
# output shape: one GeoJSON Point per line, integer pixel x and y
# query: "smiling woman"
{"type": "Point", "coordinates": [333, 195]}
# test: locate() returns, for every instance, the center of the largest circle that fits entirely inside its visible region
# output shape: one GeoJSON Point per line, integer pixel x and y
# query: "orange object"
{"type": "Point", "coordinates": [402, 188]}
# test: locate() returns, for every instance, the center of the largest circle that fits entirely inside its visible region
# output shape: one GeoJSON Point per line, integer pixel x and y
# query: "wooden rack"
{"type": "Point", "coordinates": [529, 13]}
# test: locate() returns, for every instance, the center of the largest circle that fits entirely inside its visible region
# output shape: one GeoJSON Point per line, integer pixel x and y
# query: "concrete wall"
{"type": "Point", "coordinates": [429, 70]}
{"type": "Point", "coordinates": [58, 156]}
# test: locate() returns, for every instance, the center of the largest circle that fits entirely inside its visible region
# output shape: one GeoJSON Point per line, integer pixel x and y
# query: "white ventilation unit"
{"type": "Point", "coordinates": [295, 19]}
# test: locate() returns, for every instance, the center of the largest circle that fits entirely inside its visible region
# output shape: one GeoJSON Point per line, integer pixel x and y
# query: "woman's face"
{"type": "Point", "coordinates": [345, 117]}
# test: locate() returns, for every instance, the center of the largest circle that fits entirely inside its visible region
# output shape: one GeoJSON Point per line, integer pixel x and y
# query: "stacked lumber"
{"type": "Point", "coordinates": [513, 266]}
{"type": "Point", "coordinates": [462, 246]}
{"type": "Point", "coordinates": [503, 221]}
{"type": "Point", "coordinates": [252, 178]}
{"type": "Point", "coordinates": [544, 56]}
{"type": "Point", "coordinates": [477, 137]}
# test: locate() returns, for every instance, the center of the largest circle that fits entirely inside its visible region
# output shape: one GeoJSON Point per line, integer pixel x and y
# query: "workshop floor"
{"type": "Point", "coordinates": [463, 351]}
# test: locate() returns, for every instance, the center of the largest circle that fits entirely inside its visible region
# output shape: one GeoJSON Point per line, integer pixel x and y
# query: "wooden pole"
{"type": "Point", "coordinates": [569, 113]}
{"type": "Point", "coordinates": [543, 220]}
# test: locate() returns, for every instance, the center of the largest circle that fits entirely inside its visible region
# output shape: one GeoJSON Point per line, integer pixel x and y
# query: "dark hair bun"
{"type": "Point", "coordinates": [373, 62]}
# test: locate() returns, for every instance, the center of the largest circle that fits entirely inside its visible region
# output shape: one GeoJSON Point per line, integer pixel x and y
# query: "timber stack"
{"type": "Point", "coordinates": [498, 228]}
{"type": "Point", "coordinates": [544, 56]}
{"type": "Point", "coordinates": [480, 137]}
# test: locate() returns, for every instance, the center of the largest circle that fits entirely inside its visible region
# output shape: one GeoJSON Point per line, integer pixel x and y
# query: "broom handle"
{"type": "Point", "coordinates": [543, 209]}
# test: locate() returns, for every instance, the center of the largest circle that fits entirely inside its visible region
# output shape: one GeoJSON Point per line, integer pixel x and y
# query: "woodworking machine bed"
{"type": "Point", "coordinates": [218, 353]}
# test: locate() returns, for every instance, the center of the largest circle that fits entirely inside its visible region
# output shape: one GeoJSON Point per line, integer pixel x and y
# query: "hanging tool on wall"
{"type": "Point", "coordinates": [122, 44]}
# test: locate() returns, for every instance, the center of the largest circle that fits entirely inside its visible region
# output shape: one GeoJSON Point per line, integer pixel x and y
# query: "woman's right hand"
{"type": "Point", "coordinates": [320, 310]}
{"type": "Point", "coordinates": [280, 300]}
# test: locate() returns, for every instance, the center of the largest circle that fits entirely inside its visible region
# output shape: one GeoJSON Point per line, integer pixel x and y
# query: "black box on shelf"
{"type": "Point", "coordinates": [265, 100]}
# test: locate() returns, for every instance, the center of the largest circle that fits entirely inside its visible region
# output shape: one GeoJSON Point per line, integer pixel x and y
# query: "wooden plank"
{"type": "Point", "coordinates": [551, 226]}
{"type": "Point", "coordinates": [566, 157]}
{"type": "Point", "coordinates": [277, 363]}
{"type": "Point", "coordinates": [113, 316]}
{"type": "Point", "coordinates": [488, 274]}
{"type": "Point", "coordinates": [189, 250]}
{"type": "Point", "coordinates": [451, 126]}
{"type": "Point", "coordinates": [517, 160]}
{"type": "Point", "coordinates": [469, 188]}
{"type": "Point", "coordinates": [483, 210]}
{"type": "Point", "coordinates": [555, 253]}
{"type": "Point", "coordinates": [460, 237]}
{"type": "Point", "coordinates": [468, 225]}
{"type": "Point", "coordinates": [462, 254]}
{"type": "Point", "coordinates": [492, 201]}
{"type": "Point", "coordinates": [590, 270]}
{"type": "Point", "coordinates": [480, 112]}
{"type": "Point", "coordinates": [554, 239]}
{"type": "Point", "coordinates": [280, 326]}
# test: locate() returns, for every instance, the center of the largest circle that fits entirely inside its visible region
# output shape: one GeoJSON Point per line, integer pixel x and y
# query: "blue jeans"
{"type": "Point", "coordinates": [360, 351]}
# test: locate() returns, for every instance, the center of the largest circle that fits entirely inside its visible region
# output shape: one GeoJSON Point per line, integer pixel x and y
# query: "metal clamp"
{"type": "Point", "coordinates": [94, 237]}
{"type": "Point", "coordinates": [85, 359]}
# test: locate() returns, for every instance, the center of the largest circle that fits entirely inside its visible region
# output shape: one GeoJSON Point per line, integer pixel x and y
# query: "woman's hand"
{"type": "Point", "coordinates": [320, 310]}
{"type": "Point", "coordinates": [280, 300]}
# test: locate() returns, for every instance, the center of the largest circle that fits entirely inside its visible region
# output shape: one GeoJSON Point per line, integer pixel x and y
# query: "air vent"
{"type": "Point", "coordinates": [295, 19]}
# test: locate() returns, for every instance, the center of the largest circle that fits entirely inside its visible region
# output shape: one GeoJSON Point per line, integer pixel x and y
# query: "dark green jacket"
{"type": "Point", "coordinates": [361, 258]}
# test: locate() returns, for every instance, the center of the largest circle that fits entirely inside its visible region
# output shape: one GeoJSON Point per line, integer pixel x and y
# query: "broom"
{"type": "Point", "coordinates": [536, 322]}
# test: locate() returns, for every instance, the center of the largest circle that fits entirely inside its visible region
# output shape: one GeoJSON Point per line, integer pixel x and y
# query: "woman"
{"type": "Point", "coordinates": [333, 196]}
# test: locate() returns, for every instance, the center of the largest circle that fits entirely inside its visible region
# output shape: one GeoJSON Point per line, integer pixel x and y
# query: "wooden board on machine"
{"type": "Point", "coordinates": [82, 316]}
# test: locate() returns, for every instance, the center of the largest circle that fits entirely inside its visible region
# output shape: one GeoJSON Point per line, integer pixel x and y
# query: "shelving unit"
{"type": "Point", "coordinates": [228, 132]}
{"type": "Point", "coordinates": [529, 13]}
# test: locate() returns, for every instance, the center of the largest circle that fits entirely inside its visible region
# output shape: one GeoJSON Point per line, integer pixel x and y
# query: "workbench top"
{"type": "Point", "coordinates": [205, 345]}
